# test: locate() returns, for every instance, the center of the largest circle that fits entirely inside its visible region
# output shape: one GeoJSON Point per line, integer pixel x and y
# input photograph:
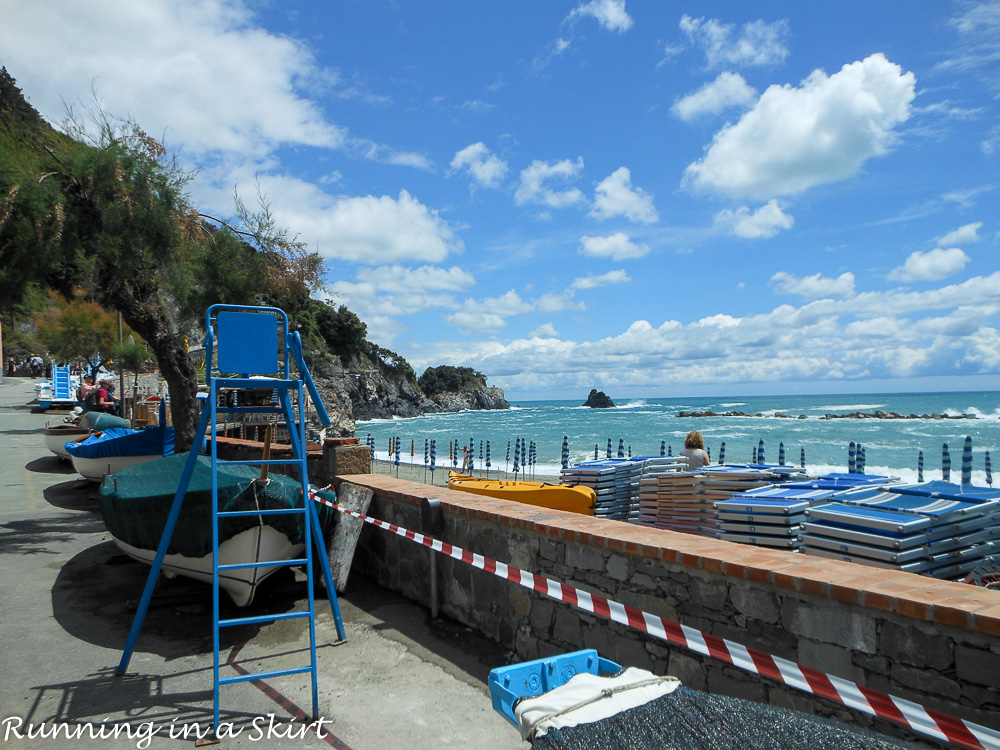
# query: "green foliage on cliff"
{"type": "Point", "coordinates": [450, 379]}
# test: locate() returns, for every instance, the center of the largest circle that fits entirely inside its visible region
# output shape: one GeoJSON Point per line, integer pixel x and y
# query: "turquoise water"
{"type": "Point", "coordinates": [891, 446]}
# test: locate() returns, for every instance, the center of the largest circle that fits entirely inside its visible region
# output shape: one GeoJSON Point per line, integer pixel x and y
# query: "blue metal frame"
{"type": "Point", "coordinates": [248, 355]}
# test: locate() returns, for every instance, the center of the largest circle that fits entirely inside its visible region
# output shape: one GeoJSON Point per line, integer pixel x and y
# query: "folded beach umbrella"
{"type": "Point", "coordinates": [945, 463]}
{"type": "Point", "coordinates": [481, 454]}
{"type": "Point", "coordinates": [472, 452]}
{"type": "Point", "coordinates": [989, 470]}
{"type": "Point", "coordinates": [609, 447]}
{"type": "Point", "coordinates": [621, 447]}
{"type": "Point", "coordinates": [488, 464]}
{"type": "Point", "coordinates": [781, 453]}
{"type": "Point", "coordinates": [412, 453]}
{"type": "Point", "coordinates": [920, 466]}
{"type": "Point", "coordinates": [802, 458]}
{"type": "Point", "coordinates": [861, 459]}
{"type": "Point", "coordinates": [722, 452]}
{"type": "Point", "coordinates": [852, 458]}
{"type": "Point", "coordinates": [517, 455]}
{"type": "Point", "coordinates": [708, 452]}
{"type": "Point", "coordinates": [565, 452]}
{"type": "Point", "coordinates": [760, 451]}
{"type": "Point", "coordinates": [670, 450]}
{"type": "Point", "coordinates": [663, 447]}
{"type": "Point", "coordinates": [967, 460]}
{"type": "Point", "coordinates": [433, 458]}
{"type": "Point", "coordinates": [630, 451]}
{"type": "Point", "coordinates": [397, 450]}
{"type": "Point", "coordinates": [427, 450]}
{"type": "Point", "coordinates": [754, 459]}
{"type": "Point", "coordinates": [595, 451]}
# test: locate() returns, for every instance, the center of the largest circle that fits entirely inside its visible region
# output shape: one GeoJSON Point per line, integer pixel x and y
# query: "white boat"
{"type": "Point", "coordinates": [57, 435]}
{"type": "Point", "coordinates": [109, 451]}
{"type": "Point", "coordinates": [135, 504]}
{"type": "Point", "coordinates": [253, 545]}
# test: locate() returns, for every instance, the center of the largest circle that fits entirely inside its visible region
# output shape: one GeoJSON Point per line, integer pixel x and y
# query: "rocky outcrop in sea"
{"type": "Point", "coordinates": [599, 400]}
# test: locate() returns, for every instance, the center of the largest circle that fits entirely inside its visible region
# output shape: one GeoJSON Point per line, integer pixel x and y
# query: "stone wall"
{"type": "Point", "coordinates": [933, 642]}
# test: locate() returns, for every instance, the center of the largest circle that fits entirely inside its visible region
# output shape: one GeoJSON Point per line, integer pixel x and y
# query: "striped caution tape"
{"type": "Point", "coordinates": [926, 721]}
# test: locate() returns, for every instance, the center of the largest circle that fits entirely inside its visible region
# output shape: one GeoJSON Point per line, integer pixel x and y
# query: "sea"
{"type": "Point", "coordinates": [644, 427]}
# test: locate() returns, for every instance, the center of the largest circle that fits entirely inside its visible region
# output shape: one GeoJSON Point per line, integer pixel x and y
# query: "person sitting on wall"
{"type": "Point", "coordinates": [86, 388]}
{"type": "Point", "coordinates": [694, 450]}
{"type": "Point", "coordinates": [107, 401]}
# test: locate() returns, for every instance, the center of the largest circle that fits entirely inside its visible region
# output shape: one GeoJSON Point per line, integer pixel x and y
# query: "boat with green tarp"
{"type": "Point", "coordinates": [135, 503]}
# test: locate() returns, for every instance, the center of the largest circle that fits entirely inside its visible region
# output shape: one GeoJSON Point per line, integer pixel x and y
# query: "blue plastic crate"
{"type": "Point", "coordinates": [530, 678]}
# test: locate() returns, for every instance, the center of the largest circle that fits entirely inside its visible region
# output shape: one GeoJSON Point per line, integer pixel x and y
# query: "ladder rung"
{"type": "Point", "coordinates": [265, 564]}
{"type": "Point", "coordinates": [264, 512]}
{"type": "Point", "coordinates": [249, 410]}
{"type": "Point", "coordinates": [262, 462]}
{"type": "Point", "coordinates": [258, 619]}
{"type": "Point", "coordinates": [263, 675]}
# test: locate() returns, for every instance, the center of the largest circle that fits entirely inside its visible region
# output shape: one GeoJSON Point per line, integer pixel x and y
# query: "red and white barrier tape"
{"type": "Point", "coordinates": [926, 721]}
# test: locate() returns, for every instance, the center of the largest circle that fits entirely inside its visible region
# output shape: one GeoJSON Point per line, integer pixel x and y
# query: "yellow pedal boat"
{"type": "Point", "coordinates": [544, 495]}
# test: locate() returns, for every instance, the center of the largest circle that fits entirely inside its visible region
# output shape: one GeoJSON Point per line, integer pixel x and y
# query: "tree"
{"type": "Point", "coordinates": [76, 330]}
{"type": "Point", "coordinates": [130, 357]}
{"type": "Point", "coordinates": [102, 206]}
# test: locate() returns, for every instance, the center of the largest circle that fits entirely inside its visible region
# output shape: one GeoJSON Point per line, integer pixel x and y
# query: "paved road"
{"type": "Point", "coordinates": [399, 681]}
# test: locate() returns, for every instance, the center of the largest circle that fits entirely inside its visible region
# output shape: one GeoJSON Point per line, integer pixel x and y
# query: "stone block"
{"type": "Point", "coordinates": [977, 665]}
{"type": "Point", "coordinates": [551, 551]}
{"type": "Point", "coordinates": [542, 613]}
{"type": "Point", "coordinates": [850, 627]}
{"type": "Point", "coordinates": [710, 593]}
{"type": "Point", "coordinates": [872, 664]}
{"type": "Point", "coordinates": [642, 581]}
{"type": "Point", "coordinates": [582, 557]}
{"type": "Point", "coordinates": [686, 668]}
{"type": "Point", "coordinates": [827, 657]}
{"type": "Point", "coordinates": [567, 627]}
{"type": "Point", "coordinates": [631, 652]}
{"type": "Point", "coordinates": [755, 603]}
{"type": "Point", "coordinates": [735, 684]}
{"type": "Point", "coordinates": [647, 603]}
{"type": "Point", "coordinates": [915, 647]}
{"type": "Point", "coordinates": [926, 681]}
{"type": "Point", "coordinates": [617, 567]}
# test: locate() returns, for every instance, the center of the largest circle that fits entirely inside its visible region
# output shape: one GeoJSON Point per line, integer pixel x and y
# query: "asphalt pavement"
{"type": "Point", "coordinates": [67, 600]}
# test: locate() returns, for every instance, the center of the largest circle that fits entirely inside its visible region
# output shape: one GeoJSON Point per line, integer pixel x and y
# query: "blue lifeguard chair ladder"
{"type": "Point", "coordinates": [243, 340]}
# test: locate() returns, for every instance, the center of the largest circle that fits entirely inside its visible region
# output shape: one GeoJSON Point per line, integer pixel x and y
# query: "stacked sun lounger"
{"type": "Point", "coordinates": [685, 501]}
{"type": "Point", "coordinates": [610, 481]}
{"type": "Point", "coordinates": [936, 528]}
{"type": "Point", "coordinates": [772, 516]}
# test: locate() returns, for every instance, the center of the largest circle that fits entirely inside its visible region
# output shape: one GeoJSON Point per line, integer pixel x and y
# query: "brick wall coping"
{"type": "Point", "coordinates": [907, 594]}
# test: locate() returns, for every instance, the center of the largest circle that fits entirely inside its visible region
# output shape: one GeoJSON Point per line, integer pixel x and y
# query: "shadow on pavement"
{"type": "Point", "coordinates": [96, 594]}
{"type": "Point", "coordinates": [75, 495]}
{"type": "Point", "coordinates": [50, 464]}
{"type": "Point", "coordinates": [43, 535]}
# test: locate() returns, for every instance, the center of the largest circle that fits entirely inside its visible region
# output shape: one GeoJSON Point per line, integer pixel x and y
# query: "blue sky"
{"type": "Point", "coordinates": [651, 198]}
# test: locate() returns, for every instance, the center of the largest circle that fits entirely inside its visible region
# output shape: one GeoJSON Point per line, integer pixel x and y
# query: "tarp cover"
{"type": "Point", "coordinates": [97, 420]}
{"type": "Point", "coordinates": [692, 720]}
{"type": "Point", "coordinates": [135, 503]}
{"type": "Point", "coordinates": [119, 441]}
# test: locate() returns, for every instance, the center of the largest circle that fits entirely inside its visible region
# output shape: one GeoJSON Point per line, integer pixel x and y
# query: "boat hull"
{"type": "Point", "coordinates": [95, 469]}
{"type": "Point", "coordinates": [541, 494]}
{"type": "Point", "coordinates": [259, 544]}
{"type": "Point", "coordinates": [57, 436]}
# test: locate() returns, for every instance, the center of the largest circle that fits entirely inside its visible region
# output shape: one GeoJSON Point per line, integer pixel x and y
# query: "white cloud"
{"type": "Point", "coordinates": [375, 230]}
{"type": "Point", "coordinates": [609, 13]}
{"type": "Point", "coordinates": [766, 221]}
{"type": "Point", "coordinates": [616, 246]}
{"type": "Point", "coordinates": [933, 265]}
{"type": "Point", "coordinates": [615, 196]}
{"type": "Point", "coordinates": [545, 330]}
{"type": "Point", "coordinates": [726, 91]}
{"type": "Point", "coordinates": [816, 286]}
{"type": "Point", "coordinates": [486, 168]}
{"type": "Point", "coordinates": [963, 235]}
{"type": "Point", "coordinates": [396, 279]}
{"type": "Point", "coordinates": [488, 315]}
{"type": "Point", "coordinates": [869, 335]}
{"type": "Point", "coordinates": [201, 71]}
{"type": "Point", "coordinates": [756, 43]}
{"type": "Point", "coordinates": [795, 138]}
{"type": "Point", "coordinates": [605, 279]}
{"type": "Point", "coordinates": [533, 187]}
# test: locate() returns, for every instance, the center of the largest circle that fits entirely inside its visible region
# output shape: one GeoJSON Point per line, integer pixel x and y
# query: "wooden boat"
{"type": "Point", "coordinates": [57, 435]}
{"type": "Point", "coordinates": [135, 503]}
{"type": "Point", "coordinates": [112, 450]}
{"type": "Point", "coordinates": [544, 495]}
